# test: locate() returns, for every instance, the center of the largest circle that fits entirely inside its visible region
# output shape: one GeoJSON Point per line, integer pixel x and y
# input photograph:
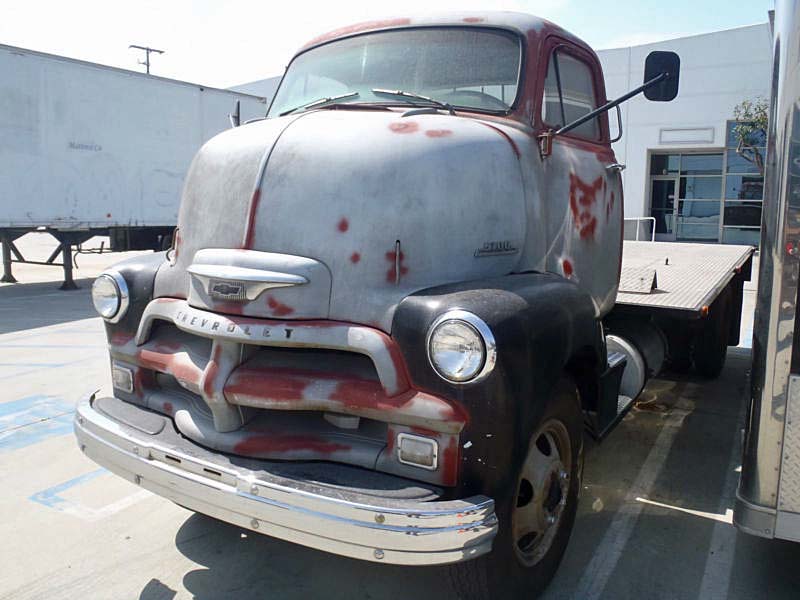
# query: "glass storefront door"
{"type": "Point", "coordinates": [685, 196]}
{"type": "Point", "coordinates": [662, 207]}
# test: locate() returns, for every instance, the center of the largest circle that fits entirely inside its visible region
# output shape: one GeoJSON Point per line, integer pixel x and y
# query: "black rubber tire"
{"type": "Point", "coordinates": [500, 574]}
{"type": "Point", "coordinates": [711, 343]}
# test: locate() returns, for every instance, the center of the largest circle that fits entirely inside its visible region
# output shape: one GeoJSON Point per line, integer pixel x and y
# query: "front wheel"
{"type": "Point", "coordinates": [536, 517]}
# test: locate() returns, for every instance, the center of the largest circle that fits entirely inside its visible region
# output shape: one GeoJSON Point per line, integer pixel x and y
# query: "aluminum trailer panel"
{"type": "Point", "coordinates": [85, 146]}
{"type": "Point", "coordinates": [689, 276]}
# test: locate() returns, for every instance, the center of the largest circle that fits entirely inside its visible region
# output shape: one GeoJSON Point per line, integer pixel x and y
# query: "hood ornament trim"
{"type": "Point", "coordinates": [241, 283]}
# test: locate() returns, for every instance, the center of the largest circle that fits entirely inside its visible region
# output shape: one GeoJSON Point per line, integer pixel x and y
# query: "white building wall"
{"type": "Point", "coordinates": [262, 87]}
{"type": "Point", "coordinates": [718, 71]}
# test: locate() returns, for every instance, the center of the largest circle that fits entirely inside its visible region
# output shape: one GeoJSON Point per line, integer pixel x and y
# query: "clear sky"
{"type": "Point", "coordinates": [225, 42]}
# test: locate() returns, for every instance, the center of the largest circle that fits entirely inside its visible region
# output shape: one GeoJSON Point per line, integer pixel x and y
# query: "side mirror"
{"type": "Point", "coordinates": [658, 63]}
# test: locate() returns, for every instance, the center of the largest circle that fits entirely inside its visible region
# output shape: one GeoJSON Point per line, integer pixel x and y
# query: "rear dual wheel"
{"type": "Point", "coordinates": [537, 516]}
{"type": "Point", "coordinates": [711, 344]}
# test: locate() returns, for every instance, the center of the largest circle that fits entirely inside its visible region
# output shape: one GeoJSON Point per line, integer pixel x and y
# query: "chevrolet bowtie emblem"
{"type": "Point", "coordinates": [225, 289]}
{"type": "Point", "coordinates": [240, 283]}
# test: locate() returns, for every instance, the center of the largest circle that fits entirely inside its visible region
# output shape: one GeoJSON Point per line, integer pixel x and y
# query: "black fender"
{"type": "Point", "coordinates": [544, 326]}
{"type": "Point", "coordinates": [139, 273]}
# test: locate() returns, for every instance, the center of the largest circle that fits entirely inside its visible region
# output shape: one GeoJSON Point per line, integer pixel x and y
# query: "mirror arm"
{"type": "Point", "coordinates": [609, 105]}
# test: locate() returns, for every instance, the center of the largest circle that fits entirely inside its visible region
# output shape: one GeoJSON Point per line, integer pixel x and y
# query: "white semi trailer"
{"type": "Point", "coordinates": [87, 150]}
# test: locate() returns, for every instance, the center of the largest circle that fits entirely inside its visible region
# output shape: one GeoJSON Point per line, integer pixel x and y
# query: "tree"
{"type": "Point", "coordinates": [751, 130]}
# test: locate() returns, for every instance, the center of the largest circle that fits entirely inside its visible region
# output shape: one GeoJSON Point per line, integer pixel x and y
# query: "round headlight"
{"type": "Point", "coordinates": [105, 296]}
{"type": "Point", "coordinates": [461, 347]}
{"type": "Point", "coordinates": [110, 296]}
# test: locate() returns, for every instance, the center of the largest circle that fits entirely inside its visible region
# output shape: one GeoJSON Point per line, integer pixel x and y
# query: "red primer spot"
{"type": "Point", "coordinates": [358, 27]}
{"type": "Point", "coordinates": [108, 215]}
{"type": "Point", "coordinates": [279, 309]}
{"type": "Point", "coordinates": [355, 257]}
{"type": "Point", "coordinates": [343, 225]}
{"type": "Point", "coordinates": [251, 220]}
{"type": "Point", "coordinates": [256, 445]}
{"type": "Point", "coordinates": [566, 266]}
{"type": "Point", "coordinates": [120, 338]}
{"type": "Point", "coordinates": [168, 408]}
{"type": "Point", "coordinates": [279, 386]}
{"type": "Point", "coordinates": [404, 127]}
{"type": "Point", "coordinates": [178, 365]}
{"type": "Point", "coordinates": [473, 19]}
{"type": "Point", "coordinates": [391, 274]}
{"type": "Point", "coordinates": [451, 462]}
{"type": "Point", "coordinates": [230, 308]}
{"type": "Point", "coordinates": [438, 133]}
{"type": "Point", "coordinates": [582, 200]}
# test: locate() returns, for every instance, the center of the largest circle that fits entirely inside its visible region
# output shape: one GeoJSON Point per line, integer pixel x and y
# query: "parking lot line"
{"type": "Point", "coordinates": [719, 562]}
{"type": "Point", "coordinates": [608, 552]}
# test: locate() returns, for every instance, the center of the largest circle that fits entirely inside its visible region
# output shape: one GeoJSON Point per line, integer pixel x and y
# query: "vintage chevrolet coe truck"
{"type": "Point", "coordinates": [392, 306]}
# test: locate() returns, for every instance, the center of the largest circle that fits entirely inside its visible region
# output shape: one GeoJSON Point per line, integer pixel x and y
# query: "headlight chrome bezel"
{"type": "Point", "coordinates": [486, 335]}
{"type": "Point", "coordinates": [123, 296]}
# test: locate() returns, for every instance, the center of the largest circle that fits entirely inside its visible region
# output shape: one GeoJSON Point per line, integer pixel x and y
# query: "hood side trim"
{"type": "Point", "coordinates": [255, 198]}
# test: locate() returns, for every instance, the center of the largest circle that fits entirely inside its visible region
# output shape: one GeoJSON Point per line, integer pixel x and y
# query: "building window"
{"type": "Point", "coordinates": [744, 192]}
{"type": "Point", "coordinates": [707, 196]}
{"type": "Point", "coordinates": [686, 192]}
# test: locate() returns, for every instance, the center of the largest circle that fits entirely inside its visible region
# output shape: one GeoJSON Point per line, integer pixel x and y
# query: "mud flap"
{"type": "Point", "coordinates": [611, 406]}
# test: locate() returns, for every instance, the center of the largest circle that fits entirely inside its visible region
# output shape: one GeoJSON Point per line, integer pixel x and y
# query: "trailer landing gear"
{"type": "Point", "coordinates": [66, 240]}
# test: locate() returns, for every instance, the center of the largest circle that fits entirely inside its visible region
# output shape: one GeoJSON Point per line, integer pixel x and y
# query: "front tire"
{"type": "Point", "coordinates": [536, 517]}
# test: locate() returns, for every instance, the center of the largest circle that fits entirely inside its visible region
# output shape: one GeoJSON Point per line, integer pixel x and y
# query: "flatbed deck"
{"type": "Point", "coordinates": [688, 276]}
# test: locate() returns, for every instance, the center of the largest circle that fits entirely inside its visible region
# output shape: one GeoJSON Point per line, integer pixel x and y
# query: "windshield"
{"type": "Point", "coordinates": [471, 68]}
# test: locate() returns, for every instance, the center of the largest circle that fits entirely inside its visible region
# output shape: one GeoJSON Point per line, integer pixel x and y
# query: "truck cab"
{"type": "Point", "coordinates": [379, 332]}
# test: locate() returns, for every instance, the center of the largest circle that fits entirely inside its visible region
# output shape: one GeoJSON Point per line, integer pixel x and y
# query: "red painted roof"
{"type": "Point", "coordinates": [522, 23]}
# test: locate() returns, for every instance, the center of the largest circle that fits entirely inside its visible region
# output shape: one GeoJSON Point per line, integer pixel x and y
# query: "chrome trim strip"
{"type": "Point", "coordinates": [331, 335]}
{"type": "Point", "coordinates": [489, 343]}
{"type": "Point", "coordinates": [401, 532]}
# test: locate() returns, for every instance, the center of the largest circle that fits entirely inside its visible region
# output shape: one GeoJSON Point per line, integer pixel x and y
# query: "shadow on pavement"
{"type": "Point", "coordinates": [155, 590]}
{"type": "Point", "coordinates": [242, 564]}
{"type": "Point", "coordinates": [30, 305]}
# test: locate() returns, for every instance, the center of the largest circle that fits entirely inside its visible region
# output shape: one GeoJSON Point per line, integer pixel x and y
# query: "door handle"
{"type": "Point", "coordinates": [615, 167]}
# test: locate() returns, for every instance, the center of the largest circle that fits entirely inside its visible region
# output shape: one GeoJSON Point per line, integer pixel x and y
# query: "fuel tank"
{"type": "Point", "coordinates": [340, 214]}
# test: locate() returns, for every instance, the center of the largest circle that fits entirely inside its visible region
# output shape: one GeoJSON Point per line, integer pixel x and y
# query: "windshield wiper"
{"type": "Point", "coordinates": [320, 102]}
{"type": "Point", "coordinates": [404, 94]}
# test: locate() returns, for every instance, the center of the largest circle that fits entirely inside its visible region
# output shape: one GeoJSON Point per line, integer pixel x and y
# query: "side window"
{"type": "Point", "coordinates": [569, 94]}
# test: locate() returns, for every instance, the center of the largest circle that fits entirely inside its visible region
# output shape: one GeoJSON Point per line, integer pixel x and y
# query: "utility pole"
{"type": "Point", "coordinates": [147, 51]}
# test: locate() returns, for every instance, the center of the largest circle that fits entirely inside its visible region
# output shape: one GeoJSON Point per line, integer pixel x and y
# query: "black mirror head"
{"type": "Point", "coordinates": [659, 62]}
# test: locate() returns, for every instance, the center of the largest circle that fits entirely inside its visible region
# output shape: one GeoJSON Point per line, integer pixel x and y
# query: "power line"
{"type": "Point", "coordinates": [147, 50]}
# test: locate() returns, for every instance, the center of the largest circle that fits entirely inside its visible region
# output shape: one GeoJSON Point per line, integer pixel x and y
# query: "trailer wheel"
{"type": "Point", "coordinates": [537, 515]}
{"type": "Point", "coordinates": [711, 343]}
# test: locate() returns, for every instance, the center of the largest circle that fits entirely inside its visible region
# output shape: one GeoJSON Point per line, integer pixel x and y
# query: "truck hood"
{"type": "Point", "coordinates": [340, 214]}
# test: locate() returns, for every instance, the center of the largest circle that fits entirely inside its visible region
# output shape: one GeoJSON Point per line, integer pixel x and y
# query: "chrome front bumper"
{"type": "Point", "coordinates": [392, 531]}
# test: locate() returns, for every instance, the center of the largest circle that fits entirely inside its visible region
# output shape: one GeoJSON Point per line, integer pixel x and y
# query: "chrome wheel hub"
{"type": "Point", "coordinates": [542, 492]}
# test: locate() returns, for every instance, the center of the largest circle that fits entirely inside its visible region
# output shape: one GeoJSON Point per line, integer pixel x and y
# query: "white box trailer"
{"type": "Point", "coordinates": [87, 150]}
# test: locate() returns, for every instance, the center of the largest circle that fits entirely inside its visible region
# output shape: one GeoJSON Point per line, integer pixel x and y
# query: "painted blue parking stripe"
{"type": "Point", "coordinates": [32, 419]}
{"type": "Point", "coordinates": [34, 368]}
{"type": "Point", "coordinates": [50, 497]}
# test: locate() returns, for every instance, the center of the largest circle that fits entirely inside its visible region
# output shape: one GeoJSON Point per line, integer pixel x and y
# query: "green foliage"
{"type": "Point", "coordinates": [751, 129]}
